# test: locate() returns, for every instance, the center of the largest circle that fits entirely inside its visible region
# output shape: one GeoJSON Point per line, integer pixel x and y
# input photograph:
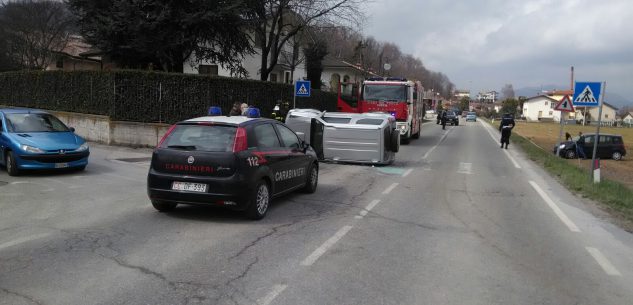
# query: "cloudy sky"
{"type": "Point", "coordinates": [484, 44]}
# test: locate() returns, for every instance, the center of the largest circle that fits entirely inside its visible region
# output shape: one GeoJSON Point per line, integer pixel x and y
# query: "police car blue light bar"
{"type": "Point", "coordinates": [253, 113]}
{"type": "Point", "coordinates": [214, 111]}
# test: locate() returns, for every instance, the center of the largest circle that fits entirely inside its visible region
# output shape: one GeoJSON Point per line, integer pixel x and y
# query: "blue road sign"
{"type": "Point", "coordinates": [302, 88]}
{"type": "Point", "coordinates": [587, 94]}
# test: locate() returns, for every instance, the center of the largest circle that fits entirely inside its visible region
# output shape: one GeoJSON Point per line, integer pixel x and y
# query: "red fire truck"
{"type": "Point", "coordinates": [400, 97]}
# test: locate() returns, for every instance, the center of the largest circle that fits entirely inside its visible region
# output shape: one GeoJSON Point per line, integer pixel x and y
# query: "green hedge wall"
{"type": "Point", "coordinates": [146, 96]}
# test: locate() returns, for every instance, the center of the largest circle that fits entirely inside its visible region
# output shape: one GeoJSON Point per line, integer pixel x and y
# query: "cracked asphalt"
{"type": "Point", "coordinates": [441, 236]}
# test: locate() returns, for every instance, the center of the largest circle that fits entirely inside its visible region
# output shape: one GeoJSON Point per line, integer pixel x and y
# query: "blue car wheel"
{"type": "Point", "coordinates": [12, 164]}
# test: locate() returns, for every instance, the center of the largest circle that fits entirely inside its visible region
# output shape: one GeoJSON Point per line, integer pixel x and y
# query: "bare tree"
{"type": "Point", "coordinates": [275, 22]}
{"type": "Point", "coordinates": [33, 29]}
{"type": "Point", "coordinates": [295, 56]}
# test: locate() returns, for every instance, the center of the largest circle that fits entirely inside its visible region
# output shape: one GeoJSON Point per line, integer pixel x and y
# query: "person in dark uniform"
{"type": "Point", "coordinates": [236, 110]}
{"type": "Point", "coordinates": [507, 123]}
{"type": "Point", "coordinates": [444, 118]}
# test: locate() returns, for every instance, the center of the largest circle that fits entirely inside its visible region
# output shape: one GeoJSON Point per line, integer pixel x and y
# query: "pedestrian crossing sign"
{"type": "Point", "coordinates": [302, 88]}
{"type": "Point", "coordinates": [565, 105]}
{"type": "Point", "coordinates": [587, 94]}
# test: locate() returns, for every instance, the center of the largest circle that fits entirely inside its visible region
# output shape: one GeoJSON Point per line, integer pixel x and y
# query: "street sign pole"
{"type": "Point", "coordinates": [294, 100]}
{"type": "Point", "coordinates": [597, 137]}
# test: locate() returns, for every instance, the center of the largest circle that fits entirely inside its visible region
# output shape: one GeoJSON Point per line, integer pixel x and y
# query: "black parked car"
{"type": "Point", "coordinates": [609, 147]}
{"type": "Point", "coordinates": [236, 162]}
{"type": "Point", "coordinates": [452, 118]}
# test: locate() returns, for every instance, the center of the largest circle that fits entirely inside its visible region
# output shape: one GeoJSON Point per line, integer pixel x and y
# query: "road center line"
{"type": "Point", "coordinates": [372, 204]}
{"type": "Point", "coordinates": [603, 262]}
{"type": "Point", "coordinates": [407, 172]}
{"type": "Point", "coordinates": [488, 128]}
{"type": "Point", "coordinates": [308, 261]}
{"type": "Point", "coordinates": [572, 227]}
{"type": "Point", "coordinates": [270, 297]}
{"type": "Point", "coordinates": [426, 155]}
{"type": "Point", "coordinates": [390, 188]}
{"type": "Point", "coordinates": [23, 240]}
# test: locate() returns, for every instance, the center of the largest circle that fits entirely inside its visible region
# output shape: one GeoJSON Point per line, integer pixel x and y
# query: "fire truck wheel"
{"type": "Point", "coordinates": [394, 141]}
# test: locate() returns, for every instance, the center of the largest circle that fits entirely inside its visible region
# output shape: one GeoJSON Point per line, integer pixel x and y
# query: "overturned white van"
{"type": "Point", "coordinates": [348, 137]}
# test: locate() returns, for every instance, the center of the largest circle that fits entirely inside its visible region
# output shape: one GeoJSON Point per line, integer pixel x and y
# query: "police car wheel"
{"type": "Point", "coordinates": [163, 206]}
{"type": "Point", "coordinates": [312, 180]}
{"type": "Point", "coordinates": [12, 165]}
{"type": "Point", "coordinates": [260, 202]}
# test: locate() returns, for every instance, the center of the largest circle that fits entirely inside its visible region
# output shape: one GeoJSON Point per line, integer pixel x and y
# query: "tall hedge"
{"type": "Point", "coordinates": [146, 96]}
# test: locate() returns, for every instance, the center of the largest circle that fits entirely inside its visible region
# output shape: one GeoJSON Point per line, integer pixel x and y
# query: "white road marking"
{"type": "Point", "coordinates": [407, 172]}
{"type": "Point", "coordinates": [373, 204]}
{"type": "Point", "coordinates": [603, 262]}
{"type": "Point", "coordinates": [23, 240]}
{"type": "Point", "coordinates": [572, 227]}
{"type": "Point", "coordinates": [390, 188]}
{"type": "Point", "coordinates": [358, 217]}
{"type": "Point", "coordinates": [270, 297]}
{"type": "Point", "coordinates": [465, 168]}
{"type": "Point", "coordinates": [516, 164]}
{"type": "Point", "coordinates": [426, 155]}
{"type": "Point", "coordinates": [488, 128]}
{"type": "Point", "coordinates": [363, 213]}
{"type": "Point", "coordinates": [308, 261]}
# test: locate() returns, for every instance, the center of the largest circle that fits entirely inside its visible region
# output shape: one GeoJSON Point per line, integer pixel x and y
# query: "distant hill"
{"type": "Point", "coordinates": [611, 98]}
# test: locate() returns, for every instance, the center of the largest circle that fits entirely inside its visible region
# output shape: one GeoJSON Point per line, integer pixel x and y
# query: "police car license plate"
{"type": "Point", "coordinates": [189, 187]}
{"type": "Point", "coordinates": [61, 165]}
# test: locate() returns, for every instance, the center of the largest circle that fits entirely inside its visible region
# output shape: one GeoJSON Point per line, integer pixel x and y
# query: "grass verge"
{"type": "Point", "coordinates": [614, 197]}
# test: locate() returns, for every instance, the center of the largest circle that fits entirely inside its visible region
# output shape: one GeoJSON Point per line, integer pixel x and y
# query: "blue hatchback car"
{"type": "Point", "coordinates": [33, 139]}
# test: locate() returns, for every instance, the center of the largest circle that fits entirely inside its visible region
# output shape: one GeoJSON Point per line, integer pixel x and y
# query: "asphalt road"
{"type": "Point", "coordinates": [456, 220]}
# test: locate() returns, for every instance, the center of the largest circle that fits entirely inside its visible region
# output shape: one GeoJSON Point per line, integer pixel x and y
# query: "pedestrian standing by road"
{"type": "Point", "coordinates": [244, 107]}
{"type": "Point", "coordinates": [444, 118]}
{"type": "Point", "coordinates": [236, 110]}
{"type": "Point", "coordinates": [506, 126]}
{"type": "Point", "coordinates": [580, 151]}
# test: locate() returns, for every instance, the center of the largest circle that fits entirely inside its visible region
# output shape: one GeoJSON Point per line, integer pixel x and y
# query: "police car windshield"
{"type": "Point", "coordinates": [34, 122]}
{"type": "Point", "coordinates": [385, 93]}
{"type": "Point", "coordinates": [201, 137]}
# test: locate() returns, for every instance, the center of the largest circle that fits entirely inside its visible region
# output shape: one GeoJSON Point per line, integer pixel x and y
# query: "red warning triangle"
{"type": "Point", "coordinates": [565, 105]}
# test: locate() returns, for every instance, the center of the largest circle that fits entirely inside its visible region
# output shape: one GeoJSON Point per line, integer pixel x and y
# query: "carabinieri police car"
{"type": "Point", "coordinates": [239, 162]}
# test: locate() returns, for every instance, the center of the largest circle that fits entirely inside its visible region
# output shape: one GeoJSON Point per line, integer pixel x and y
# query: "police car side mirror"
{"type": "Point", "coordinates": [72, 129]}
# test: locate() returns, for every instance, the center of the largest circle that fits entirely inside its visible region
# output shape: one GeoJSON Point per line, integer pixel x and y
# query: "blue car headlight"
{"type": "Point", "coordinates": [83, 147]}
{"type": "Point", "coordinates": [31, 149]}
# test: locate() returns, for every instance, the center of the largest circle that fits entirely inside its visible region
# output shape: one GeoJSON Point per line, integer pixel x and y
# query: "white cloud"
{"type": "Point", "coordinates": [486, 43]}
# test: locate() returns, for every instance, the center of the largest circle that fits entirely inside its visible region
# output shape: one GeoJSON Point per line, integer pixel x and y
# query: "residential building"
{"type": "Point", "coordinates": [337, 71]}
{"type": "Point", "coordinates": [628, 119]}
{"type": "Point", "coordinates": [608, 113]}
{"type": "Point", "coordinates": [541, 108]}
{"type": "Point", "coordinates": [459, 94]}
{"type": "Point", "coordinates": [488, 97]}
{"type": "Point", "coordinates": [72, 57]}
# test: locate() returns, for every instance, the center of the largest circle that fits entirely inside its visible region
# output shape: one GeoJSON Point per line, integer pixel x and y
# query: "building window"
{"type": "Point", "coordinates": [208, 69]}
{"type": "Point", "coordinates": [545, 103]}
{"type": "Point", "coordinates": [551, 105]}
{"type": "Point", "coordinates": [551, 112]}
{"type": "Point", "coordinates": [287, 78]}
{"type": "Point", "coordinates": [273, 77]}
{"type": "Point", "coordinates": [606, 116]}
{"type": "Point", "coordinates": [59, 64]}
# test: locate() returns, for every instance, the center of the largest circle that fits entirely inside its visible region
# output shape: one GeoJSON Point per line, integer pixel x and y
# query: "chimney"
{"type": "Point", "coordinates": [572, 78]}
